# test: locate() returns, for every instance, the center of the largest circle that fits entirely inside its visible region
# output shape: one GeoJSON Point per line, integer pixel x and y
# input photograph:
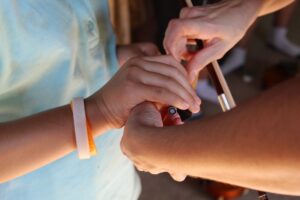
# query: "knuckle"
{"type": "Point", "coordinates": [194, 11]}
{"type": "Point", "coordinates": [132, 73]}
{"type": "Point", "coordinates": [176, 73]}
{"type": "Point", "coordinates": [150, 45]}
{"type": "Point", "coordinates": [170, 82]}
{"type": "Point", "coordinates": [167, 59]}
{"type": "Point", "coordinates": [174, 24]}
{"type": "Point", "coordinates": [172, 62]}
{"type": "Point", "coordinates": [166, 44]}
{"type": "Point", "coordinates": [184, 12]}
{"type": "Point", "coordinates": [143, 59]}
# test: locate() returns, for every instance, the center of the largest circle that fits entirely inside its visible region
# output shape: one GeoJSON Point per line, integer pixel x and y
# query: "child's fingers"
{"type": "Point", "coordinates": [173, 73]}
{"type": "Point", "coordinates": [165, 83]}
{"type": "Point", "coordinates": [168, 60]}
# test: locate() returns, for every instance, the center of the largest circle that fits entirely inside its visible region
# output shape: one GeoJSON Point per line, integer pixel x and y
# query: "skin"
{"type": "Point", "coordinates": [220, 25]}
{"type": "Point", "coordinates": [32, 142]}
{"type": "Point", "coordinates": [126, 52]}
{"type": "Point", "coordinates": [256, 145]}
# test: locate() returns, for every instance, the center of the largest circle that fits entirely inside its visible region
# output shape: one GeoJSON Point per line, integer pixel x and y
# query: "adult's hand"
{"type": "Point", "coordinates": [267, 145]}
{"type": "Point", "coordinates": [220, 25]}
{"type": "Point", "coordinates": [134, 141]}
{"type": "Point", "coordinates": [159, 79]}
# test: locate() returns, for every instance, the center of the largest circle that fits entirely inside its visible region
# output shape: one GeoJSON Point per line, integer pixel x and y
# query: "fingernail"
{"type": "Point", "coordinates": [196, 108]}
{"type": "Point", "coordinates": [198, 100]}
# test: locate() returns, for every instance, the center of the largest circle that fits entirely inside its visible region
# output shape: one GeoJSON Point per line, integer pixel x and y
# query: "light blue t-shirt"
{"type": "Point", "coordinates": [50, 52]}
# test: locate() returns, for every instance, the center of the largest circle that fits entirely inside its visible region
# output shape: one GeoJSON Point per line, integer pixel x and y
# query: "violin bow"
{"type": "Point", "coordinates": [224, 94]}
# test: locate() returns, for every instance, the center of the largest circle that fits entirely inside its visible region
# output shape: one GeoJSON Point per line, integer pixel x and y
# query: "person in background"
{"type": "Point", "coordinates": [52, 51]}
{"type": "Point", "coordinates": [255, 145]}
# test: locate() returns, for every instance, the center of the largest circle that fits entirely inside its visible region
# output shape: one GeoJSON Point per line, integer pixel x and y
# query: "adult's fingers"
{"type": "Point", "coordinates": [141, 169]}
{"type": "Point", "coordinates": [156, 171]}
{"type": "Point", "coordinates": [180, 29]}
{"type": "Point", "coordinates": [211, 52]}
{"type": "Point", "coordinates": [153, 171]}
{"type": "Point", "coordinates": [178, 176]}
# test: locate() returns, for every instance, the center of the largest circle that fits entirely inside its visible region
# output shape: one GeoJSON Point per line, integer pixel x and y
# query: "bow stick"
{"type": "Point", "coordinates": [224, 94]}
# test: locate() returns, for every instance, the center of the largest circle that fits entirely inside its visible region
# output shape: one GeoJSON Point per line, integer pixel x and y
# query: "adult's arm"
{"type": "Point", "coordinates": [256, 145]}
{"type": "Point", "coordinates": [270, 6]}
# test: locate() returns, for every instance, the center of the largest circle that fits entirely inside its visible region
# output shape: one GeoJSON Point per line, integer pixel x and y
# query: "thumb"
{"type": "Point", "coordinates": [149, 49]}
{"type": "Point", "coordinates": [202, 58]}
{"type": "Point", "coordinates": [146, 114]}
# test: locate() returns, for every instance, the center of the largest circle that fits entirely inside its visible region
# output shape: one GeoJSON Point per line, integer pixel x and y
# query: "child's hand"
{"type": "Point", "coordinates": [125, 52]}
{"type": "Point", "coordinates": [159, 79]}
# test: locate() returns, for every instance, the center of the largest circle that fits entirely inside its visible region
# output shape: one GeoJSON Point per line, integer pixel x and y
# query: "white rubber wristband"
{"type": "Point", "coordinates": [80, 127]}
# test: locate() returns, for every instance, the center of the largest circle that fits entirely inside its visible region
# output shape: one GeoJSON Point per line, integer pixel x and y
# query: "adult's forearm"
{"type": "Point", "coordinates": [256, 145]}
{"type": "Point", "coordinates": [35, 141]}
{"type": "Point", "coordinates": [270, 6]}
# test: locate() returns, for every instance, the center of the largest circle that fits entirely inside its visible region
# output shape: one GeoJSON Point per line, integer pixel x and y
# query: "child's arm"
{"type": "Point", "coordinates": [35, 141]}
{"type": "Point", "coordinates": [126, 52]}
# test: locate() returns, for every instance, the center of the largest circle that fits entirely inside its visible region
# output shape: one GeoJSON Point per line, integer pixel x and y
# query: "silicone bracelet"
{"type": "Point", "coordinates": [80, 127]}
{"type": "Point", "coordinates": [93, 149]}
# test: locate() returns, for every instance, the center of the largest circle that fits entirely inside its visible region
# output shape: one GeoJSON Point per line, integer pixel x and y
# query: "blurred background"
{"type": "Point", "coordinates": [268, 55]}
